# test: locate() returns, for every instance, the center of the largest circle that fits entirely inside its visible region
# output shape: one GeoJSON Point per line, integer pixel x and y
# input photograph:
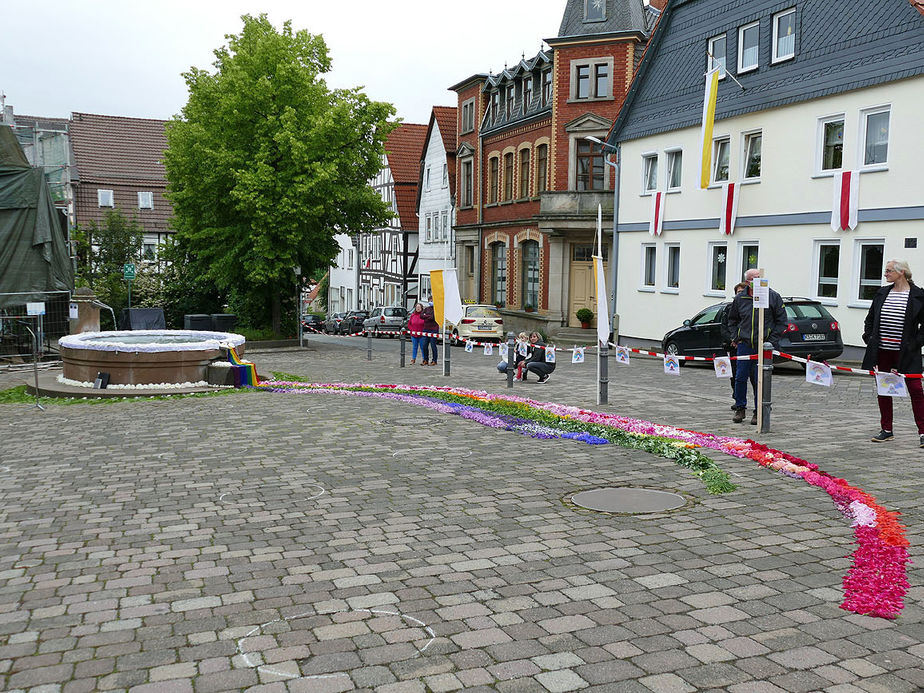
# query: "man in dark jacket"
{"type": "Point", "coordinates": [743, 328]}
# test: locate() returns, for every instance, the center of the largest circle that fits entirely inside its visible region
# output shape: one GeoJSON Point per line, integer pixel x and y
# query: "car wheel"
{"type": "Point", "coordinates": [672, 349]}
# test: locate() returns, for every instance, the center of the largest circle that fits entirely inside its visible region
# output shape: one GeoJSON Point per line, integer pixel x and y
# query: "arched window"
{"type": "Point", "coordinates": [524, 174]}
{"type": "Point", "coordinates": [530, 273]}
{"type": "Point", "coordinates": [499, 273]}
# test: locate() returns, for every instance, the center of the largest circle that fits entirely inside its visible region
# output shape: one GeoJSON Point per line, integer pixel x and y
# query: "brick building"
{"type": "Point", "coordinates": [528, 181]}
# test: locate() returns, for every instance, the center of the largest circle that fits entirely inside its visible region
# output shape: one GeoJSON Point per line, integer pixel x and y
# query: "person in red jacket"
{"type": "Point", "coordinates": [415, 323]}
{"type": "Point", "coordinates": [431, 327]}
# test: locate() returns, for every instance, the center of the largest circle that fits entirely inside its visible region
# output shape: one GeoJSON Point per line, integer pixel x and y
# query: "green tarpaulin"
{"type": "Point", "coordinates": [33, 247]}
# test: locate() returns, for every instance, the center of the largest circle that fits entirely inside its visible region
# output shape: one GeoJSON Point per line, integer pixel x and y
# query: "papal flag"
{"type": "Point", "coordinates": [845, 205]}
{"type": "Point", "coordinates": [729, 209]}
{"type": "Point", "coordinates": [712, 90]}
{"type": "Point", "coordinates": [657, 214]}
{"type": "Point", "coordinates": [446, 302]}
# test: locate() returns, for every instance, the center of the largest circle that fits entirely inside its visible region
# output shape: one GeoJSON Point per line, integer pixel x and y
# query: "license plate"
{"type": "Point", "coordinates": [814, 337]}
{"type": "Point", "coordinates": [485, 326]}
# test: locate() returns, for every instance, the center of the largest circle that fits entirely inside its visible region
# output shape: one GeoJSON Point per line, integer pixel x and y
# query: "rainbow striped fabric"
{"type": "Point", "coordinates": [245, 373]}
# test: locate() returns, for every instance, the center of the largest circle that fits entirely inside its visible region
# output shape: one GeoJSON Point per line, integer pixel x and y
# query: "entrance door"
{"type": "Point", "coordinates": [582, 291]}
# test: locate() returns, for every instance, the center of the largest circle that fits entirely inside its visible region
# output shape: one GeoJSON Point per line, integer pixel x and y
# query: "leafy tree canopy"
{"type": "Point", "coordinates": [266, 163]}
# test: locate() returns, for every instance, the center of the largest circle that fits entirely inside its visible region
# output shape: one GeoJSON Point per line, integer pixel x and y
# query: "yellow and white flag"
{"type": "Point", "coordinates": [712, 90]}
{"type": "Point", "coordinates": [603, 311]}
{"type": "Point", "coordinates": [446, 302]}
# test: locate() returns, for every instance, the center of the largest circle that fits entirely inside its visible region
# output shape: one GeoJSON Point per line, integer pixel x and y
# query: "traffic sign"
{"type": "Point", "coordinates": [128, 270]}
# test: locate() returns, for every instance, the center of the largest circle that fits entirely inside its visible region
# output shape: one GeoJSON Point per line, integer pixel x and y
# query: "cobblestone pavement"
{"type": "Point", "coordinates": [275, 542]}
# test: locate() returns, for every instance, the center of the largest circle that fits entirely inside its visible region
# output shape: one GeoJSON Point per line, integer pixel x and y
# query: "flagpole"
{"type": "Point", "coordinates": [726, 71]}
{"type": "Point", "coordinates": [599, 317]}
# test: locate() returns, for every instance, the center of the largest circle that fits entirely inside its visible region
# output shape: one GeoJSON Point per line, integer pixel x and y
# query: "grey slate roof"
{"type": "Point", "coordinates": [621, 16]}
{"type": "Point", "coordinates": [840, 46]}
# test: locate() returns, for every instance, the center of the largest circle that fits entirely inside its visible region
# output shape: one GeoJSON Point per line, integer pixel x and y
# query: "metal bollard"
{"type": "Point", "coordinates": [604, 395]}
{"type": "Point", "coordinates": [368, 345]}
{"type": "Point", "coordinates": [765, 392]}
{"type": "Point", "coordinates": [403, 337]}
{"type": "Point", "coordinates": [511, 357]}
{"type": "Point", "coordinates": [447, 343]}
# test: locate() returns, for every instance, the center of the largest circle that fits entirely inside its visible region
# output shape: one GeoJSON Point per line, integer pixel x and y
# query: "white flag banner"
{"type": "Point", "coordinates": [818, 373]}
{"type": "Point", "coordinates": [622, 355]}
{"type": "Point", "coordinates": [845, 205]}
{"type": "Point", "coordinates": [488, 348]}
{"type": "Point", "coordinates": [502, 350]}
{"type": "Point", "coordinates": [729, 209]}
{"type": "Point", "coordinates": [522, 348]}
{"type": "Point", "coordinates": [891, 385]}
{"type": "Point", "coordinates": [550, 354]}
{"type": "Point", "coordinates": [469, 345]}
{"type": "Point", "coordinates": [657, 214]}
{"type": "Point", "coordinates": [577, 356]}
{"type": "Point", "coordinates": [722, 365]}
{"type": "Point", "coordinates": [671, 364]}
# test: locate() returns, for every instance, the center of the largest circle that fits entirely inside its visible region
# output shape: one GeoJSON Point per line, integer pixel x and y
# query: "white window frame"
{"type": "Point", "coordinates": [427, 179]}
{"type": "Point", "coordinates": [349, 258]}
{"type": "Point", "coordinates": [723, 66]}
{"type": "Point", "coordinates": [710, 252]}
{"type": "Point", "coordinates": [741, 68]}
{"type": "Point", "coordinates": [856, 281]}
{"type": "Point", "coordinates": [715, 160]}
{"type": "Point", "coordinates": [445, 175]}
{"type": "Point", "coordinates": [646, 158]}
{"type": "Point", "coordinates": [820, 143]}
{"type": "Point", "coordinates": [145, 200]}
{"type": "Point", "coordinates": [741, 258]}
{"type": "Point", "coordinates": [105, 198]}
{"type": "Point", "coordinates": [775, 57]}
{"type": "Point", "coordinates": [444, 225]}
{"type": "Point", "coordinates": [671, 157]}
{"type": "Point", "coordinates": [666, 288]}
{"type": "Point", "coordinates": [642, 286]}
{"type": "Point", "coordinates": [745, 140]}
{"type": "Point", "coordinates": [864, 129]}
{"type": "Point", "coordinates": [816, 271]}
{"type": "Point", "coordinates": [428, 236]}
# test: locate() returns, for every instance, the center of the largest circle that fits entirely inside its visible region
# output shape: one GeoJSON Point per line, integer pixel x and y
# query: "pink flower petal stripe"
{"type": "Point", "coordinates": [876, 582]}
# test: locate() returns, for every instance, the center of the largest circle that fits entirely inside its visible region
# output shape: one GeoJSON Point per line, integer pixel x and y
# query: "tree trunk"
{"type": "Point", "coordinates": [276, 302]}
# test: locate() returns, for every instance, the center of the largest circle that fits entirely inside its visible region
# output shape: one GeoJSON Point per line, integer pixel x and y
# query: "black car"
{"type": "Point", "coordinates": [352, 322]}
{"type": "Point", "coordinates": [312, 323]}
{"type": "Point", "coordinates": [810, 330]}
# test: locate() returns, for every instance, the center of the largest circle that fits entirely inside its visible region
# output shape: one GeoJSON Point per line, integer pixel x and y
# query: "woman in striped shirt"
{"type": "Point", "coordinates": [894, 335]}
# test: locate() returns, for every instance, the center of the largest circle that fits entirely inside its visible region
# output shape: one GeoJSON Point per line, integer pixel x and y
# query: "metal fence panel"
{"type": "Point", "coordinates": [15, 339]}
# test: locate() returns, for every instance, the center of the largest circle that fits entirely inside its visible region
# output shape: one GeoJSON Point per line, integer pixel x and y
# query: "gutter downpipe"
{"type": "Point", "coordinates": [614, 317]}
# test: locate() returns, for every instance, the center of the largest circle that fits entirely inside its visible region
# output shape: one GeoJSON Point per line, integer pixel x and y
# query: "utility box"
{"type": "Point", "coordinates": [200, 322]}
{"type": "Point", "coordinates": [223, 322]}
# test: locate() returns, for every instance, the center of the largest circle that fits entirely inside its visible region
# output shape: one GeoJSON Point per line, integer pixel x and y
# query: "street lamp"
{"type": "Point", "coordinates": [615, 248]}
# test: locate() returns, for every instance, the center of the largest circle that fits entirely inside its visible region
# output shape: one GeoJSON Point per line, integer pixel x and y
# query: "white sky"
{"type": "Point", "coordinates": [124, 57]}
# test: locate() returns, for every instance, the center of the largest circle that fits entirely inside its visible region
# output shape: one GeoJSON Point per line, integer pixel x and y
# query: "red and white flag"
{"type": "Point", "coordinates": [846, 200]}
{"type": "Point", "coordinates": [729, 209]}
{"type": "Point", "coordinates": [657, 214]}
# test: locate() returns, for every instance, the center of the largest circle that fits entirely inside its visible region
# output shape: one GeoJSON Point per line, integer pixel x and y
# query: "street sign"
{"type": "Point", "coordinates": [128, 271]}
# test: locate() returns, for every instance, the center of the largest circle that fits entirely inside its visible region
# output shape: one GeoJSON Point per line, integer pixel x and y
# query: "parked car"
{"type": "Point", "coordinates": [810, 330]}
{"type": "Point", "coordinates": [385, 319]}
{"type": "Point", "coordinates": [352, 322]}
{"type": "Point", "coordinates": [312, 323]}
{"type": "Point", "coordinates": [479, 322]}
{"type": "Point", "coordinates": [332, 324]}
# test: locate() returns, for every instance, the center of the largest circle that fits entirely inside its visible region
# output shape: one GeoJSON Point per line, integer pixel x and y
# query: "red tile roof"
{"type": "Point", "coordinates": [116, 149]}
{"type": "Point", "coordinates": [404, 147]}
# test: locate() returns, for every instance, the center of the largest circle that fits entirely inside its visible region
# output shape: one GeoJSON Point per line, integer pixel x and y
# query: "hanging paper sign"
{"type": "Point", "coordinates": [671, 365]}
{"type": "Point", "coordinates": [502, 350]}
{"type": "Point", "coordinates": [550, 354]}
{"type": "Point", "coordinates": [37, 308]}
{"type": "Point", "coordinates": [761, 292]}
{"type": "Point", "coordinates": [72, 311]}
{"type": "Point", "coordinates": [818, 374]}
{"type": "Point", "coordinates": [722, 366]}
{"type": "Point", "coordinates": [891, 385]}
{"type": "Point", "coordinates": [622, 355]}
{"type": "Point", "coordinates": [488, 348]}
{"type": "Point", "coordinates": [469, 345]}
{"type": "Point", "coordinates": [522, 348]}
{"type": "Point", "coordinates": [577, 356]}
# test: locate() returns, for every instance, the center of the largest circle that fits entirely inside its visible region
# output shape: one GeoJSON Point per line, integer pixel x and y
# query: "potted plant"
{"type": "Point", "coordinates": [528, 308]}
{"type": "Point", "coordinates": [585, 315]}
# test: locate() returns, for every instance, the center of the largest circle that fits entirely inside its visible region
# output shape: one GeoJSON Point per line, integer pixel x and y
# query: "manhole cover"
{"type": "Point", "coordinates": [628, 500]}
{"type": "Point", "coordinates": [412, 421]}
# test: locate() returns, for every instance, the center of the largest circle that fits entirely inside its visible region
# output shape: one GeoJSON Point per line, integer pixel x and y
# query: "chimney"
{"type": "Point", "coordinates": [658, 4]}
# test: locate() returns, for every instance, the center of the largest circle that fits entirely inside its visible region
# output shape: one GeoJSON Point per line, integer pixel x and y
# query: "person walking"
{"type": "Point", "coordinates": [536, 362]}
{"type": "Point", "coordinates": [894, 334]}
{"type": "Point", "coordinates": [415, 324]}
{"type": "Point", "coordinates": [433, 329]}
{"type": "Point", "coordinates": [746, 338]}
{"type": "Point", "coordinates": [730, 350]}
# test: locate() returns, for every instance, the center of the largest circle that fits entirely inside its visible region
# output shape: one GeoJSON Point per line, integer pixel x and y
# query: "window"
{"type": "Point", "coordinates": [148, 251]}
{"type": "Point", "coordinates": [832, 143]}
{"type": "Point", "coordinates": [875, 136]}
{"type": "Point", "coordinates": [104, 198]}
{"type": "Point", "coordinates": [601, 80]}
{"type": "Point", "coordinates": [674, 169]}
{"type": "Point", "coordinates": [444, 225]}
{"type": "Point", "coordinates": [530, 276]}
{"type": "Point", "coordinates": [673, 266]}
{"type": "Point", "coordinates": [527, 92]}
{"type": "Point", "coordinates": [445, 176]}
{"type": "Point", "coordinates": [542, 168]}
{"type": "Point", "coordinates": [427, 179]}
{"type": "Point", "coordinates": [649, 266]}
{"type": "Point", "coordinates": [546, 87]}
{"type": "Point", "coordinates": [495, 105]}
{"type": "Point", "coordinates": [499, 273]}
{"type": "Point", "coordinates": [594, 10]}
{"type": "Point", "coordinates": [467, 181]}
{"type": "Point", "coordinates": [145, 200]}
{"type": "Point", "coordinates": [508, 176]}
{"type": "Point", "coordinates": [749, 257]}
{"type": "Point", "coordinates": [582, 82]}
{"type": "Point", "coordinates": [716, 54]}
{"type": "Point", "coordinates": [470, 260]}
{"type": "Point", "coordinates": [871, 266]}
{"type": "Point", "coordinates": [720, 160]}
{"type": "Point", "coordinates": [524, 174]}
{"type": "Point", "coordinates": [429, 235]}
{"type": "Point", "coordinates": [492, 179]}
{"type": "Point", "coordinates": [508, 103]}
{"type": "Point", "coordinates": [748, 45]}
{"type": "Point", "coordinates": [828, 258]}
{"type": "Point", "coordinates": [784, 36]}
{"type": "Point", "coordinates": [649, 172]}
{"type": "Point", "coordinates": [590, 80]}
{"type": "Point", "coordinates": [718, 254]}
{"type": "Point", "coordinates": [752, 142]}
{"type": "Point", "coordinates": [350, 258]}
{"type": "Point", "coordinates": [589, 175]}
{"type": "Point", "coordinates": [468, 116]}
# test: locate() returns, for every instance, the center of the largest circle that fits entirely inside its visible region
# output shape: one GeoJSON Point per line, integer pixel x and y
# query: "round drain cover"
{"type": "Point", "coordinates": [413, 421]}
{"type": "Point", "coordinates": [628, 500]}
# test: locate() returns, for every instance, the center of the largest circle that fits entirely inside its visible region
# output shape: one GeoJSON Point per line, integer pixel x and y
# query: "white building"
{"type": "Point", "coordinates": [344, 277]}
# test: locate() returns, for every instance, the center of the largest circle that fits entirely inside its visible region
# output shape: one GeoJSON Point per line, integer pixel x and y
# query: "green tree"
{"type": "Point", "coordinates": [265, 164]}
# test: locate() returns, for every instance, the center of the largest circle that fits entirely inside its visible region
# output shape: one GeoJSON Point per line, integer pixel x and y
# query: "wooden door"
{"type": "Point", "coordinates": [582, 294]}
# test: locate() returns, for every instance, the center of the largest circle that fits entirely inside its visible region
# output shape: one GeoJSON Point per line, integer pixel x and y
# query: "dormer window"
{"type": "Point", "coordinates": [594, 10]}
{"type": "Point", "coordinates": [546, 87]}
{"type": "Point", "coordinates": [495, 105]}
{"type": "Point", "coordinates": [508, 106]}
{"type": "Point", "coordinates": [527, 92]}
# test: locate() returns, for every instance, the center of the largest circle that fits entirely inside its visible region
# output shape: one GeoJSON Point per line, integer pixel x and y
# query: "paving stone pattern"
{"type": "Point", "coordinates": [181, 544]}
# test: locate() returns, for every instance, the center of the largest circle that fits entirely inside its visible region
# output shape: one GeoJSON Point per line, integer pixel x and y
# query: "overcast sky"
{"type": "Point", "coordinates": [125, 57]}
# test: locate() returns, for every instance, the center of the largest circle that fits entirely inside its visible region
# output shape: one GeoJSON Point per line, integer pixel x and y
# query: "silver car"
{"type": "Point", "coordinates": [385, 319]}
